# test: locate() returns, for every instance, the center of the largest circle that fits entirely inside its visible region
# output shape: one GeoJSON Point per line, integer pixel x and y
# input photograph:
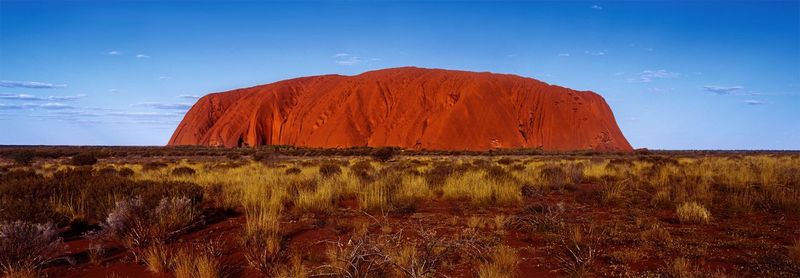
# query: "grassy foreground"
{"type": "Point", "coordinates": [427, 215]}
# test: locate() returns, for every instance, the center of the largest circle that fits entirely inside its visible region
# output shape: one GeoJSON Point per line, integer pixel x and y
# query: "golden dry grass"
{"type": "Point", "coordinates": [693, 213]}
{"type": "Point", "coordinates": [481, 190]}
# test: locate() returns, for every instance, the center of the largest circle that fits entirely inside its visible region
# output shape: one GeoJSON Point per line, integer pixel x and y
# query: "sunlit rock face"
{"type": "Point", "coordinates": [413, 108]}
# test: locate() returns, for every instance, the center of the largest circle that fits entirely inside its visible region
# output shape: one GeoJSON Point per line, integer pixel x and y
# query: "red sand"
{"type": "Point", "coordinates": [407, 107]}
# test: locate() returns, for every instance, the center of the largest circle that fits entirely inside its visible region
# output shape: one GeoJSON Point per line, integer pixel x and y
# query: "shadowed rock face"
{"type": "Point", "coordinates": [408, 107]}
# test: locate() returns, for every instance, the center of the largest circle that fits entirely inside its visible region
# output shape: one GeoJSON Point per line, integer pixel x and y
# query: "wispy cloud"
{"type": "Point", "coordinates": [596, 53]}
{"type": "Point", "coordinates": [53, 106]}
{"type": "Point", "coordinates": [144, 115]}
{"type": "Point", "coordinates": [163, 77]}
{"type": "Point", "coordinates": [45, 106]}
{"type": "Point", "coordinates": [30, 84]}
{"type": "Point", "coordinates": [189, 96]}
{"type": "Point", "coordinates": [723, 90]}
{"type": "Point", "coordinates": [166, 106]}
{"type": "Point", "coordinates": [753, 102]}
{"type": "Point", "coordinates": [142, 56]}
{"type": "Point", "coordinates": [650, 75]}
{"type": "Point", "coordinates": [38, 98]}
{"type": "Point", "coordinates": [597, 7]}
{"type": "Point", "coordinates": [6, 106]}
{"type": "Point", "coordinates": [113, 90]}
{"type": "Point", "coordinates": [563, 54]}
{"type": "Point", "coordinates": [659, 90]}
{"type": "Point", "coordinates": [346, 59]}
{"type": "Point", "coordinates": [114, 52]}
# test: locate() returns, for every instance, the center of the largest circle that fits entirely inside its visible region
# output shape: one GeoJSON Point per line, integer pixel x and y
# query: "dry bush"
{"type": "Point", "coordinates": [553, 176]}
{"type": "Point", "coordinates": [23, 157]}
{"type": "Point", "coordinates": [183, 171]}
{"type": "Point", "coordinates": [362, 165]}
{"type": "Point", "coordinates": [439, 173]}
{"type": "Point", "coordinates": [538, 218]}
{"type": "Point", "coordinates": [693, 213]}
{"type": "Point", "coordinates": [24, 247]}
{"type": "Point", "coordinates": [107, 171]}
{"type": "Point", "coordinates": [153, 165]}
{"type": "Point", "coordinates": [79, 194]}
{"type": "Point", "coordinates": [578, 253]}
{"type": "Point", "coordinates": [83, 159]}
{"type": "Point", "coordinates": [424, 257]}
{"type": "Point", "coordinates": [329, 169]}
{"type": "Point", "coordinates": [359, 257]}
{"type": "Point", "coordinates": [502, 263]}
{"type": "Point", "coordinates": [293, 171]}
{"type": "Point", "coordinates": [384, 154]}
{"type": "Point", "coordinates": [265, 157]}
{"type": "Point", "coordinates": [137, 226]}
{"type": "Point", "coordinates": [505, 161]}
{"type": "Point", "coordinates": [125, 172]}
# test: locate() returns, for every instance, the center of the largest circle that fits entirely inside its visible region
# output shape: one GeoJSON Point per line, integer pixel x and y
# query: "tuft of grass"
{"type": "Point", "coordinates": [502, 263]}
{"type": "Point", "coordinates": [680, 268]}
{"type": "Point", "coordinates": [655, 235]}
{"type": "Point", "coordinates": [192, 265]}
{"type": "Point", "coordinates": [794, 252]}
{"type": "Point", "coordinates": [693, 213]}
{"type": "Point", "coordinates": [157, 257]}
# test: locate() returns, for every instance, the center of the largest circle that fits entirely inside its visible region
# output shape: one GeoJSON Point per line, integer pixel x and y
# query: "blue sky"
{"type": "Point", "coordinates": [678, 75]}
